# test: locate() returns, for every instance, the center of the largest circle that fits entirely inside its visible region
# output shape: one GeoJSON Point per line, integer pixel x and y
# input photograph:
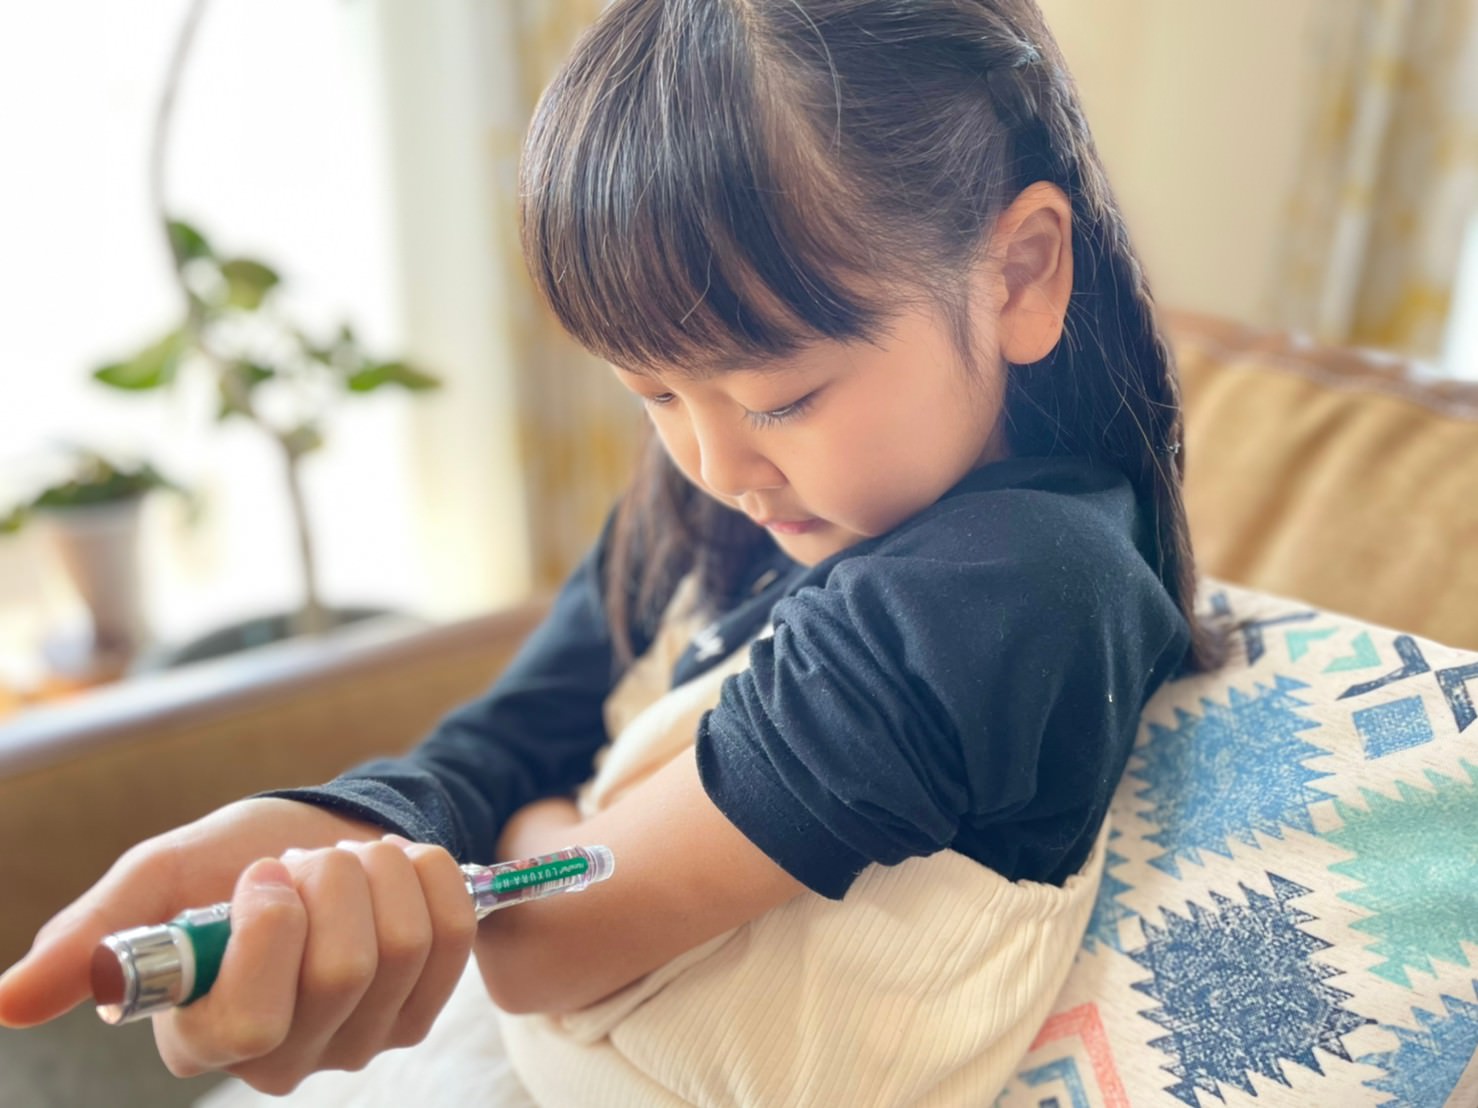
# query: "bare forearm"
{"type": "Point", "coordinates": [538, 828]}
{"type": "Point", "coordinates": [684, 874]}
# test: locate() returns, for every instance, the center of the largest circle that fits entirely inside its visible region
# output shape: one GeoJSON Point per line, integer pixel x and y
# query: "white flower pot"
{"type": "Point", "coordinates": [99, 547]}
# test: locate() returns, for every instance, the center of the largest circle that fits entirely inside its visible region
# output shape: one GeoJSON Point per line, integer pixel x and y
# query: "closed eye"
{"type": "Point", "coordinates": [758, 419]}
{"type": "Point", "coordinates": [781, 415]}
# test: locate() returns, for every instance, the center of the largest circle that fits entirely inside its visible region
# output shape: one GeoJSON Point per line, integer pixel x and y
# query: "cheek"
{"type": "Point", "coordinates": [865, 473]}
{"type": "Point", "coordinates": [897, 457]}
{"type": "Point", "coordinates": [680, 445]}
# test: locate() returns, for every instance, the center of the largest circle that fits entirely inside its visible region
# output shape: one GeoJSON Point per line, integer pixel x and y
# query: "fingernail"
{"type": "Point", "coordinates": [269, 871]}
{"type": "Point", "coordinates": [293, 855]}
{"type": "Point", "coordinates": [350, 844]}
{"type": "Point", "coordinates": [398, 840]}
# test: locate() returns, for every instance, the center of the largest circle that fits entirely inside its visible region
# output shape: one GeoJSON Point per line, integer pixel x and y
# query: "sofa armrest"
{"type": "Point", "coordinates": [82, 781]}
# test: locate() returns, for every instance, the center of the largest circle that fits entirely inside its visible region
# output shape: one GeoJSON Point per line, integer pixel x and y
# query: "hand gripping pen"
{"type": "Point", "coordinates": [144, 970]}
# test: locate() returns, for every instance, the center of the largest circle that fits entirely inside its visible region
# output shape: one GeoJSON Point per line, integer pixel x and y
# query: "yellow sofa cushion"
{"type": "Point", "coordinates": [1341, 477]}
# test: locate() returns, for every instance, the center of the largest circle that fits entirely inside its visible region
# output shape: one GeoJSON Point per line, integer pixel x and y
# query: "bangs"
{"type": "Point", "coordinates": [676, 212]}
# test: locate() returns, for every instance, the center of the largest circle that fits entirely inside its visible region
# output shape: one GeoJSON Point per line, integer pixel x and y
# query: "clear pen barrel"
{"type": "Point", "coordinates": [508, 883]}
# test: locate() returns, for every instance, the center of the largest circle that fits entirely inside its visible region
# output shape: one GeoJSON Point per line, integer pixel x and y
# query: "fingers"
{"type": "Point", "coordinates": [251, 1007]}
{"type": "Point", "coordinates": [383, 935]}
{"type": "Point", "coordinates": [290, 987]}
{"type": "Point", "coordinates": [191, 866]}
{"type": "Point", "coordinates": [454, 928]}
{"type": "Point", "coordinates": [403, 934]}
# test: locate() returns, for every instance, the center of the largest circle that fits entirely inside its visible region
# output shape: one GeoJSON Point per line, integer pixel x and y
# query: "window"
{"type": "Point", "coordinates": [277, 151]}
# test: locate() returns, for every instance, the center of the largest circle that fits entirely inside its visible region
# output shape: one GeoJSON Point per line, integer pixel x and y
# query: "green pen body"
{"type": "Point", "coordinates": [151, 969]}
{"type": "Point", "coordinates": [169, 964]}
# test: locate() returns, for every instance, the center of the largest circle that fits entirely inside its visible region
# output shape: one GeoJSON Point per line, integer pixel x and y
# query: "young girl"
{"type": "Point", "coordinates": [850, 676]}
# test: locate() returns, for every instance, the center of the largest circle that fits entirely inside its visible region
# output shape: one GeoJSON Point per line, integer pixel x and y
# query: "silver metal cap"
{"type": "Point", "coordinates": [155, 964]}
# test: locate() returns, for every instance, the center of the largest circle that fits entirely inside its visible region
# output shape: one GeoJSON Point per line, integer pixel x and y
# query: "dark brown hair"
{"type": "Point", "coordinates": [716, 182]}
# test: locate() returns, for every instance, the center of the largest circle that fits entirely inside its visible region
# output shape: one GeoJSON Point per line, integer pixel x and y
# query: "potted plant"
{"type": "Point", "coordinates": [91, 516]}
{"type": "Point", "coordinates": [265, 369]}
{"type": "Point", "coordinates": [234, 332]}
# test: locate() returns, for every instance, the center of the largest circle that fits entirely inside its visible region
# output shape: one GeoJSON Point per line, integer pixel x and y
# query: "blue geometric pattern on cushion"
{"type": "Point", "coordinates": [1239, 991]}
{"type": "Point", "coordinates": [1453, 681]}
{"type": "Point", "coordinates": [1108, 912]}
{"type": "Point", "coordinates": [1251, 630]}
{"type": "Point", "coordinates": [1407, 852]}
{"type": "Point", "coordinates": [1288, 775]}
{"type": "Point", "coordinates": [1064, 1070]}
{"type": "Point", "coordinates": [1454, 685]}
{"type": "Point", "coordinates": [1426, 1065]}
{"type": "Point", "coordinates": [1229, 772]}
{"type": "Point", "coordinates": [1399, 725]}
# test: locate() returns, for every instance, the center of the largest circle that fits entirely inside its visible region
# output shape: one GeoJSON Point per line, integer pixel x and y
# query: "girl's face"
{"type": "Point", "coordinates": [839, 443]}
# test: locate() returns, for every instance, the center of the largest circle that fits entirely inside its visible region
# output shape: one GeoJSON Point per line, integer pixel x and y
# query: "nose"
{"type": "Point", "coordinates": [729, 462]}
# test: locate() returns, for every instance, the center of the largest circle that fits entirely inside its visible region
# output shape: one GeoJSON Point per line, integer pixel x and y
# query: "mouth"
{"type": "Point", "coordinates": [789, 526]}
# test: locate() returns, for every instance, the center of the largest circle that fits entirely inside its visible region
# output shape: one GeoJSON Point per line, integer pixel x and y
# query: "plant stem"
{"type": "Point", "coordinates": [163, 117]}
{"type": "Point", "coordinates": [311, 618]}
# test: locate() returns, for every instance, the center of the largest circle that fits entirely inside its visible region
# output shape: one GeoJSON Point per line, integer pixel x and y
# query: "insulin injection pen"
{"type": "Point", "coordinates": [144, 970]}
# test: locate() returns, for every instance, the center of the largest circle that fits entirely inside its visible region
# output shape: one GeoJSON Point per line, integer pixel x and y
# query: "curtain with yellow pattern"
{"type": "Point", "coordinates": [578, 429]}
{"type": "Point", "coordinates": [1388, 176]}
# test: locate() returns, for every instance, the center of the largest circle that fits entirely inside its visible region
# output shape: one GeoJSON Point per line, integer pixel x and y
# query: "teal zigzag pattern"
{"type": "Point", "coordinates": [1417, 859]}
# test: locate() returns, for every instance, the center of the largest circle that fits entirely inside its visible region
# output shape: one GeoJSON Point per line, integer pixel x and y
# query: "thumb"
{"type": "Point", "coordinates": [55, 974]}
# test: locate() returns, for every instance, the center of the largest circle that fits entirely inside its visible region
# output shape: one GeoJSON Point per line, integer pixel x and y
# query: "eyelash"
{"type": "Point", "coordinates": [780, 415]}
{"type": "Point", "coordinates": [757, 419]}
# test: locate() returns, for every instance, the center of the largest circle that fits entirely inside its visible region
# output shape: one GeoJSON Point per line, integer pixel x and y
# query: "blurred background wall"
{"type": "Point", "coordinates": [368, 148]}
{"type": "Point", "coordinates": [1196, 111]}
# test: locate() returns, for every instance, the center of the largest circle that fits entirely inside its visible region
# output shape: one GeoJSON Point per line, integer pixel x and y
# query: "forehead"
{"type": "Point", "coordinates": [753, 366]}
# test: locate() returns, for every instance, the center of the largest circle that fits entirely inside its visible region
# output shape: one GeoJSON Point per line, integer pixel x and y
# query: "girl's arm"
{"type": "Point", "coordinates": [684, 874]}
{"type": "Point", "coordinates": [534, 733]}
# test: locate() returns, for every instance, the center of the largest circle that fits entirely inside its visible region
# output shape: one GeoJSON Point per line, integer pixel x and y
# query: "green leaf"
{"type": "Point", "coordinates": [247, 282]}
{"type": "Point", "coordinates": [365, 380]}
{"type": "Point", "coordinates": [188, 242]}
{"type": "Point", "coordinates": [95, 479]}
{"type": "Point", "coordinates": [152, 367]}
{"type": "Point", "coordinates": [392, 373]}
{"type": "Point", "coordinates": [254, 373]}
{"type": "Point", "coordinates": [411, 378]}
{"type": "Point", "coordinates": [235, 384]}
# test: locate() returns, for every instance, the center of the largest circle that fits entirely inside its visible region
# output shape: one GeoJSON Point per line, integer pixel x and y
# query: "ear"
{"type": "Point", "coordinates": [1032, 256]}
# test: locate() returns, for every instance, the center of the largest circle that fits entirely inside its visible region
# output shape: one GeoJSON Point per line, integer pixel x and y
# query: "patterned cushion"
{"type": "Point", "coordinates": [1289, 911]}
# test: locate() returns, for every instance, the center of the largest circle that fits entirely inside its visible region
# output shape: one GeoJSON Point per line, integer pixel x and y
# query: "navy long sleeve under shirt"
{"type": "Point", "coordinates": [970, 680]}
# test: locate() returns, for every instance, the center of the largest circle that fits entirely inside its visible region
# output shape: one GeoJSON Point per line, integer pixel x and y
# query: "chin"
{"type": "Point", "coordinates": [808, 550]}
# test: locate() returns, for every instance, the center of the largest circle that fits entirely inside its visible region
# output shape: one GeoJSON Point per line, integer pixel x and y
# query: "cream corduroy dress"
{"type": "Point", "coordinates": [922, 987]}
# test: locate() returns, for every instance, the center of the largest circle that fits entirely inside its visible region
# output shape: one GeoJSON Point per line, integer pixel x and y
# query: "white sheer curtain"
{"type": "Point", "coordinates": [1388, 179]}
{"type": "Point", "coordinates": [518, 476]}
